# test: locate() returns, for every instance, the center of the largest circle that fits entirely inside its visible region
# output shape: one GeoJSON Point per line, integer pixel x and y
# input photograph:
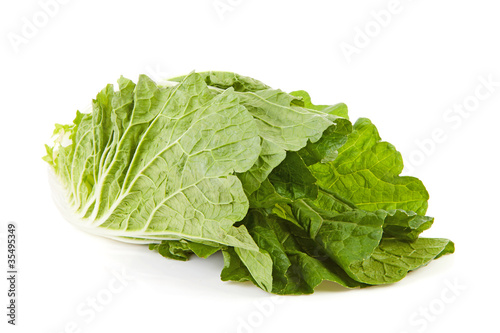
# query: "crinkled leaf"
{"type": "Point", "coordinates": [366, 173]}
{"type": "Point", "coordinates": [166, 166]}
{"type": "Point", "coordinates": [234, 269]}
{"type": "Point", "coordinates": [353, 239]}
{"type": "Point", "coordinates": [282, 127]}
{"type": "Point", "coordinates": [293, 173]}
{"type": "Point", "coordinates": [345, 237]}
{"type": "Point", "coordinates": [173, 249]}
{"type": "Point", "coordinates": [405, 225]}
{"type": "Point", "coordinates": [224, 80]}
{"type": "Point", "coordinates": [326, 149]}
{"type": "Point", "coordinates": [271, 155]}
{"type": "Point", "coordinates": [182, 249]}
{"type": "Point", "coordinates": [339, 109]}
{"type": "Point", "coordinates": [283, 123]}
{"type": "Point", "coordinates": [291, 180]}
{"type": "Point", "coordinates": [298, 264]}
{"type": "Point", "coordinates": [393, 259]}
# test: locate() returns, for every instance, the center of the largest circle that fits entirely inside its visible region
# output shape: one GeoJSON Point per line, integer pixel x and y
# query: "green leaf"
{"type": "Point", "coordinates": [259, 264]}
{"type": "Point", "coordinates": [182, 249]}
{"type": "Point", "coordinates": [166, 169]}
{"type": "Point", "coordinates": [271, 155]}
{"type": "Point", "coordinates": [284, 125]}
{"type": "Point", "coordinates": [353, 240]}
{"type": "Point", "coordinates": [405, 226]}
{"type": "Point", "coordinates": [339, 109]}
{"type": "Point", "coordinates": [326, 149]}
{"type": "Point", "coordinates": [292, 179]}
{"type": "Point", "coordinates": [345, 237]}
{"type": "Point", "coordinates": [173, 249]}
{"type": "Point", "coordinates": [202, 250]}
{"type": "Point", "coordinates": [298, 265]}
{"type": "Point", "coordinates": [234, 269]}
{"type": "Point", "coordinates": [224, 80]}
{"type": "Point", "coordinates": [289, 181]}
{"type": "Point", "coordinates": [366, 173]}
{"type": "Point", "coordinates": [394, 258]}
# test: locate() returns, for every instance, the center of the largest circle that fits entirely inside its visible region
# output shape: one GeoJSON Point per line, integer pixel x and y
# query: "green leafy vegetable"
{"type": "Point", "coordinates": [366, 172]}
{"type": "Point", "coordinates": [290, 192]}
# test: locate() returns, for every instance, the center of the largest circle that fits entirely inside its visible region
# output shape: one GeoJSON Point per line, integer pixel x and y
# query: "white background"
{"type": "Point", "coordinates": [428, 57]}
